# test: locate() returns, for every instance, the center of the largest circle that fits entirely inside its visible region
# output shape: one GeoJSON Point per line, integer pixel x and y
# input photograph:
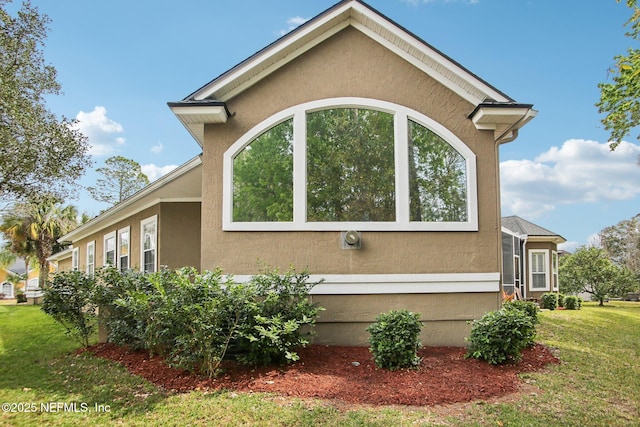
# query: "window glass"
{"type": "Point", "coordinates": [123, 249]}
{"type": "Point", "coordinates": [263, 177]}
{"type": "Point", "coordinates": [538, 270]}
{"type": "Point", "coordinates": [350, 165]}
{"type": "Point", "coordinates": [149, 239]}
{"type": "Point", "coordinates": [438, 178]}
{"type": "Point", "coordinates": [507, 259]}
{"type": "Point", "coordinates": [110, 249]}
{"type": "Point", "coordinates": [91, 254]}
{"type": "Point", "coordinates": [75, 259]}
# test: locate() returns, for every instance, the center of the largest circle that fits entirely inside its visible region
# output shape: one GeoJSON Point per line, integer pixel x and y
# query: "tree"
{"type": "Point", "coordinates": [622, 243]}
{"type": "Point", "coordinates": [33, 229]}
{"type": "Point", "coordinates": [590, 270]}
{"type": "Point", "coordinates": [122, 178]}
{"type": "Point", "coordinates": [620, 100]}
{"type": "Point", "coordinates": [38, 152]}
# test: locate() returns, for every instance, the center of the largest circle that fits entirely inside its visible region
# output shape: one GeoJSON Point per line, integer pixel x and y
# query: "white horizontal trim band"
{"type": "Point", "coordinates": [364, 284]}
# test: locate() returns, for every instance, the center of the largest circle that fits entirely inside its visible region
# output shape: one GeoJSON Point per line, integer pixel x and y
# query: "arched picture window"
{"type": "Point", "coordinates": [349, 163]}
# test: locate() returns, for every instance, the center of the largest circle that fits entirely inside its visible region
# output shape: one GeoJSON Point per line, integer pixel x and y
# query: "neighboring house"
{"type": "Point", "coordinates": [350, 148]}
{"type": "Point", "coordinates": [11, 279]}
{"type": "Point", "coordinates": [530, 258]}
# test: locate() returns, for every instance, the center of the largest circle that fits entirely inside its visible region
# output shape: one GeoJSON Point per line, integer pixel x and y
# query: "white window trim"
{"type": "Point", "coordinates": [92, 246]}
{"type": "Point", "coordinates": [75, 259]}
{"type": "Point", "coordinates": [547, 287]}
{"type": "Point", "coordinates": [554, 271]}
{"type": "Point", "coordinates": [123, 230]}
{"type": "Point", "coordinates": [11, 289]}
{"type": "Point", "coordinates": [108, 236]}
{"type": "Point", "coordinates": [150, 220]}
{"type": "Point", "coordinates": [402, 223]}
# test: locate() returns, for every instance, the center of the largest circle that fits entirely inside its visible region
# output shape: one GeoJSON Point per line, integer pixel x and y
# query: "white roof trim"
{"type": "Point", "coordinates": [374, 25]}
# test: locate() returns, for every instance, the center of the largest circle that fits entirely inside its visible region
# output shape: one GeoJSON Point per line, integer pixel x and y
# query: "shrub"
{"type": "Point", "coordinates": [394, 339]}
{"type": "Point", "coordinates": [68, 299]}
{"type": "Point", "coordinates": [528, 307]}
{"type": "Point", "coordinates": [549, 301]}
{"type": "Point", "coordinates": [500, 336]}
{"type": "Point", "coordinates": [21, 297]}
{"type": "Point", "coordinates": [278, 318]}
{"type": "Point", "coordinates": [572, 302]}
{"type": "Point", "coordinates": [120, 297]}
{"type": "Point", "coordinates": [561, 298]}
{"type": "Point", "coordinates": [193, 319]}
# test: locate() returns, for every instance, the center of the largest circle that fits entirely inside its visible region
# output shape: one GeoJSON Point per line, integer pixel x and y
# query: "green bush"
{"type": "Point", "coordinates": [278, 318]}
{"type": "Point", "coordinates": [120, 297]}
{"type": "Point", "coordinates": [572, 302]}
{"type": "Point", "coordinates": [21, 297]}
{"type": "Point", "coordinates": [528, 307]}
{"type": "Point", "coordinates": [69, 300]}
{"type": "Point", "coordinates": [549, 301]}
{"type": "Point", "coordinates": [394, 339]}
{"type": "Point", "coordinates": [561, 298]}
{"type": "Point", "coordinates": [194, 319]}
{"type": "Point", "coordinates": [500, 336]}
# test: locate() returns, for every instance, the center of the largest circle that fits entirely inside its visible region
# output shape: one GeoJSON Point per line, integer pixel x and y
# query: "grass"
{"type": "Point", "coordinates": [598, 383]}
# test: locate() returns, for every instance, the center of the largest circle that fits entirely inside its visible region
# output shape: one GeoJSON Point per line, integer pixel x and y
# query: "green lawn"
{"type": "Point", "coordinates": [598, 383]}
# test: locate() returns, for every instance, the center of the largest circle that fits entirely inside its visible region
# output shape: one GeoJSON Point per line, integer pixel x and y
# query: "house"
{"type": "Point", "coordinates": [18, 278]}
{"type": "Point", "coordinates": [348, 147]}
{"type": "Point", "coordinates": [530, 258]}
{"type": "Point", "coordinates": [12, 279]}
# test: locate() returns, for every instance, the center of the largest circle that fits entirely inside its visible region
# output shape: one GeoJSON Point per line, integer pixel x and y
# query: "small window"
{"type": "Point", "coordinates": [539, 273]}
{"type": "Point", "coordinates": [123, 248]}
{"type": "Point", "coordinates": [7, 289]}
{"type": "Point", "coordinates": [149, 239]}
{"type": "Point", "coordinates": [75, 259]}
{"type": "Point", "coordinates": [110, 249]}
{"type": "Point", "coordinates": [91, 258]}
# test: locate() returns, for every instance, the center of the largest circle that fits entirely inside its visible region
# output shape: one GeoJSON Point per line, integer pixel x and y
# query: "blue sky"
{"type": "Point", "coordinates": [120, 62]}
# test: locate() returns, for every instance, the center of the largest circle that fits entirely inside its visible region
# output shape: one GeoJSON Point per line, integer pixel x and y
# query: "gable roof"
{"type": "Point", "coordinates": [526, 228]}
{"type": "Point", "coordinates": [491, 109]}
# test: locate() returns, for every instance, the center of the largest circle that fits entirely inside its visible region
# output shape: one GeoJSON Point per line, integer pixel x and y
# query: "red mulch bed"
{"type": "Point", "coordinates": [349, 375]}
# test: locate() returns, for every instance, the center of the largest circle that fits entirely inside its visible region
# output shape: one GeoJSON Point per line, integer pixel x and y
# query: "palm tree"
{"type": "Point", "coordinates": [33, 230]}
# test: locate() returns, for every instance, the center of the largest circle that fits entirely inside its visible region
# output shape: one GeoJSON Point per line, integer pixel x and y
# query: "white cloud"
{"type": "Point", "coordinates": [157, 149]}
{"type": "Point", "coordinates": [580, 171]}
{"type": "Point", "coordinates": [154, 172]}
{"type": "Point", "coordinates": [293, 23]}
{"type": "Point", "coordinates": [100, 130]}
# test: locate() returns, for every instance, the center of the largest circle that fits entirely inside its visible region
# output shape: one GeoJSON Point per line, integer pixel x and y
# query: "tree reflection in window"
{"type": "Point", "coordinates": [263, 177]}
{"type": "Point", "coordinates": [437, 178]}
{"type": "Point", "coordinates": [350, 165]}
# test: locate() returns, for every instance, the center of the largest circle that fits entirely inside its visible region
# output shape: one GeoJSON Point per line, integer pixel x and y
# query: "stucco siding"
{"type": "Point", "coordinates": [445, 316]}
{"type": "Point", "coordinates": [179, 235]}
{"type": "Point", "coordinates": [350, 64]}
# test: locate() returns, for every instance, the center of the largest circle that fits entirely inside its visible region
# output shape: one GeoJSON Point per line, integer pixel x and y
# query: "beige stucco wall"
{"type": "Point", "coordinates": [178, 236]}
{"type": "Point", "coordinates": [445, 316]}
{"type": "Point", "coordinates": [132, 221]}
{"type": "Point", "coordinates": [350, 64]}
